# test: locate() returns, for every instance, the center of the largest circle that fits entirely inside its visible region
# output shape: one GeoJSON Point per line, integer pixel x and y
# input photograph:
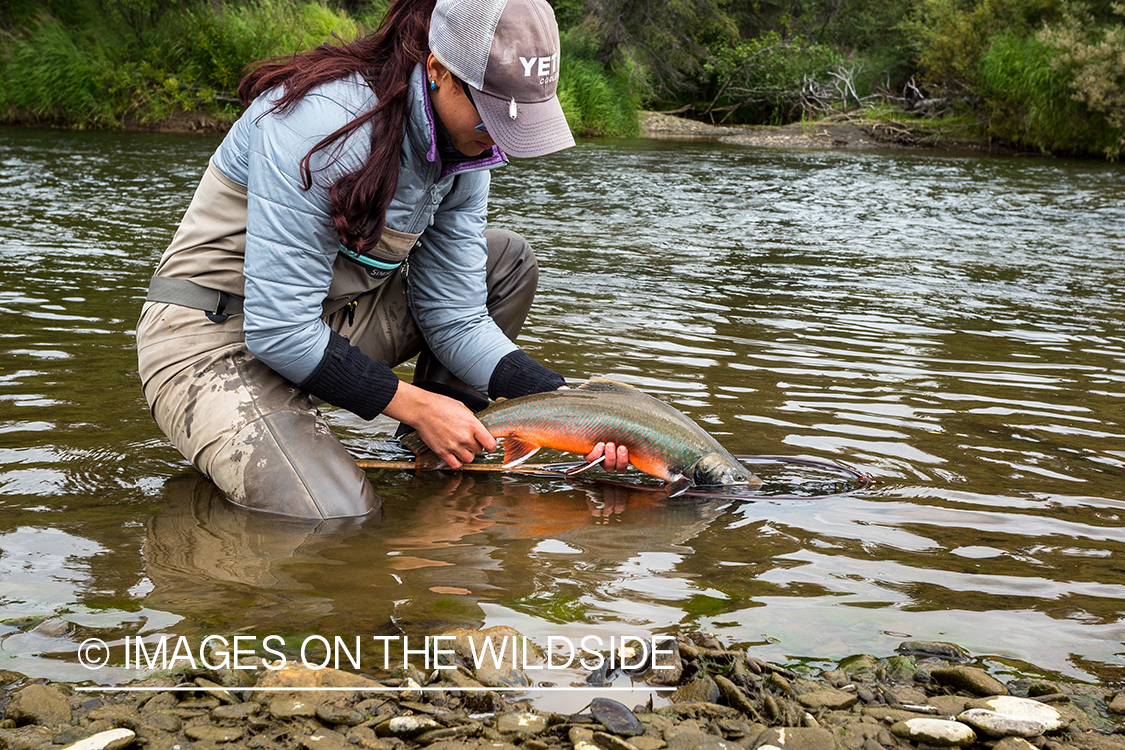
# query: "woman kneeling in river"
{"type": "Point", "coordinates": [339, 227]}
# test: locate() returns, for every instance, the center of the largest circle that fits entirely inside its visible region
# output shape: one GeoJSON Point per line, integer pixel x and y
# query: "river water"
{"type": "Point", "coordinates": [949, 324]}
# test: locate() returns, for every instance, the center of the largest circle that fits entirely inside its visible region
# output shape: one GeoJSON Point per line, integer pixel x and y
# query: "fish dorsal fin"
{"type": "Point", "coordinates": [605, 384]}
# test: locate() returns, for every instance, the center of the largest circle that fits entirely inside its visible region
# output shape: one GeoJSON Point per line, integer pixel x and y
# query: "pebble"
{"type": "Point", "coordinates": [686, 736]}
{"type": "Point", "coordinates": [335, 715]}
{"type": "Point", "coordinates": [114, 739]}
{"type": "Point", "coordinates": [803, 738]}
{"type": "Point", "coordinates": [162, 722]}
{"type": "Point", "coordinates": [700, 690]}
{"type": "Point", "coordinates": [1013, 743]}
{"type": "Point", "coordinates": [234, 712]}
{"type": "Point", "coordinates": [969, 679]}
{"type": "Point", "coordinates": [325, 740]}
{"type": "Point", "coordinates": [667, 666]}
{"type": "Point", "coordinates": [45, 705]}
{"type": "Point", "coordinates": [292, 708]}
{"type": "Point", "coordinates": [1117, 705]}
{"type": "Point", "coordinates": [406, 726]}
{"type": "Point", "coordinates": [522, 722]}
{"type": "Point", "coordinates": [215, 690]}
{"type": "Point", "coordinates": [607, 741]}
{"type": "Point", "coordinates": [616, 718]}
{"type": "Point", "coordinates": [936, 732]}
{"type": "Point", "coordinates": [833, 700]}
{"type": "Point", "coordinates": [212, 733]}
{"type": "Point", "coordinates": [949, 705]}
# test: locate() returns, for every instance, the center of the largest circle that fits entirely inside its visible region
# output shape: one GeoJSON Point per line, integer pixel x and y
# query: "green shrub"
{"type": "Point", "coordinates": [1090, 54]}
{"type": "Point", "coordinates": [1028, 98]}
{"type": "Point", "coordinates": [951, 35]}
{"type": "Point", "coordinates": [761, 80]}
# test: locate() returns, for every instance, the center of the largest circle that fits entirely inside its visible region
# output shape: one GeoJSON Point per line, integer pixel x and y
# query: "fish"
{"type": "Point", "coordinates": [662, 441]}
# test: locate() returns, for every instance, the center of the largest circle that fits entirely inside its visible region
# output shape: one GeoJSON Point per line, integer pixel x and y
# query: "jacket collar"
{"type": "Point", "coordinates": [422, 132]}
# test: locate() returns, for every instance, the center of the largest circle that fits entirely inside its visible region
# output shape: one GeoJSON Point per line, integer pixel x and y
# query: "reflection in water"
{"type": "Point", "coordinates": [949, 325]}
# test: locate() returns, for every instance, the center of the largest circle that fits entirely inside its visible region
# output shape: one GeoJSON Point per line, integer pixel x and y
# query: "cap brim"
{"type": "Point", "coordinates": [539, 127]}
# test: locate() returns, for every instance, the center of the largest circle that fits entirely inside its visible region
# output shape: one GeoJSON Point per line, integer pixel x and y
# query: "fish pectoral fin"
{"type": "Point", "coordinates": [678, 486]}
{"type": "Point", "coordinates": [517, 451]}
{"type": "Point", "coordinates": [584, 467]}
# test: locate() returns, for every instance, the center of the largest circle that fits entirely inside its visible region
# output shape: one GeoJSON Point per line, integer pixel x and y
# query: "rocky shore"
{"type": "Point", "coordinates": [927, 695]}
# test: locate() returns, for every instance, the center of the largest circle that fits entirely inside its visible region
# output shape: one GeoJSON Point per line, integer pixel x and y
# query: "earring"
{"type": "Point", "coordinates": [432, 84]}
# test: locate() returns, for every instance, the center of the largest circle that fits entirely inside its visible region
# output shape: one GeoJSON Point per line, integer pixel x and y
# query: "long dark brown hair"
{"type": "Point", "coordinates": [386, 59]}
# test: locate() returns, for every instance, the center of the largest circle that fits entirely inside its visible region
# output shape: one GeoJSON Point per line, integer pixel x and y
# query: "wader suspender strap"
{"type": "Point", "coordinates": [218, 305]}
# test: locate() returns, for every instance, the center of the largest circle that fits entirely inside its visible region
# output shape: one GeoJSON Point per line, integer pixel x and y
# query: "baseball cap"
{"type": "Point", "coordinates": [508, 52]}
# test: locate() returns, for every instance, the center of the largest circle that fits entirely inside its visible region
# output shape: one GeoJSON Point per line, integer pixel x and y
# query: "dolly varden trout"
{"type": "Point", "coordinates": [661, 440]}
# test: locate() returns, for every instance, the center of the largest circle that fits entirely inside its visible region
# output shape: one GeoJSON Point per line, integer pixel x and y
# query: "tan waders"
{"type": "Point", "coordinates": [254, 433]}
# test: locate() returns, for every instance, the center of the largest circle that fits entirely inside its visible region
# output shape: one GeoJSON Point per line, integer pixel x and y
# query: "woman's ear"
{"type": "Point", "coordinates": [435, 71]}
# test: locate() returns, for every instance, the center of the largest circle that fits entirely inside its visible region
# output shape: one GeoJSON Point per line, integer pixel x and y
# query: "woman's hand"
{"type": "Point", "coordinates": [446, 425]}
{"type": "Point", "coordinates": [616, 456]}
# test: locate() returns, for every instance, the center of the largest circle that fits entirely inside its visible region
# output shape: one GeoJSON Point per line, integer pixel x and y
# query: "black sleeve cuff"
{"type": "Point", "coordinates": [348, 378]}
{"type": "Point", "coordinates": [517, 374]}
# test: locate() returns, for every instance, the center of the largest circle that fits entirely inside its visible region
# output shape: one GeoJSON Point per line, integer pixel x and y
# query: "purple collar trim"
{"type": "Point", "coordinates": [431, 155]}
{"type": "Point", "coordinates": [495, 155]}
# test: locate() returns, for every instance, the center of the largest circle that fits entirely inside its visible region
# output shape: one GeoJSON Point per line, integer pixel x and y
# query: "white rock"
{"type": "Point", "coordinates": [1024, 708]}
{"type": "Point", "coordinates": [996, 724]}
{"type": "Point", "coordinates": [1008, 716]}
{"type": "Point", "coordinates": [113, 739]}
{"type": "Point", "coordinates": [936, 732]}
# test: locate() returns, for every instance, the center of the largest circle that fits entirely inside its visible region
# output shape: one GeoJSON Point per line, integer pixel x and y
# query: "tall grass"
{"type": "Point", "coordinates": [191, 59]}
{"type": "Point", "coordinates": [596, 101]}
{"type": "Point", "coordinates": [47, 73]}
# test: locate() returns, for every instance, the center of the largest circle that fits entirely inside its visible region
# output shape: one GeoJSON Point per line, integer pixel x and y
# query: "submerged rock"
{"type": "Point", "coordinates": [969, 679]}
{"type": "Point", "coordinates": [940, 649]}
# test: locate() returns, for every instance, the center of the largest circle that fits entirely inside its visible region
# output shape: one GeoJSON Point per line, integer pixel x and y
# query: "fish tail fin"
{"type": "Point", "coordinates": [517, 451]}
{"type": "Point", "coordinates": [424, 458]}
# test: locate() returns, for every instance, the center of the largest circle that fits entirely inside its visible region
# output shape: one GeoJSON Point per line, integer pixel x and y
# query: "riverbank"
{"type": "Point", "coordinates": [925, 695]}
{"type": "Point", "coordinates": [835, 132]}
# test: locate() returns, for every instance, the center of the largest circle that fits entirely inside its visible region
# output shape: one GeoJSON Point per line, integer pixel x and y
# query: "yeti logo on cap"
{"type": "Point", "coordinates": [547, 68]}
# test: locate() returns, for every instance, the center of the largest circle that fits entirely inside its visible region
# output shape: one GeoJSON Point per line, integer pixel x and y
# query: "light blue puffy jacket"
{"type": "Point", "coordinates": [290, 250]}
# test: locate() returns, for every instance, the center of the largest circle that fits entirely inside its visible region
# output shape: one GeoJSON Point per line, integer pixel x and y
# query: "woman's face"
{"type": "Point", "coordinates": [455, 111]}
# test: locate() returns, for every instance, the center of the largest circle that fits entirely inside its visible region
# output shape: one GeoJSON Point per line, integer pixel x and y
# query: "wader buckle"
{"type": "Point", "coordinates": [217, 316]}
